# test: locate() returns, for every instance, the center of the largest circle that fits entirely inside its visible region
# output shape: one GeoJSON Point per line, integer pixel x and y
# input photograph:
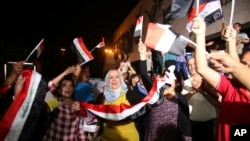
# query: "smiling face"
{"type": "Point", "coordinates": [66, 89]}
{"type": "Point", "coordinates": [114, 79]}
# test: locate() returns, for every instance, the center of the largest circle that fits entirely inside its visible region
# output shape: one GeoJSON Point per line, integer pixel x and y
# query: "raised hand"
{"type": "Point", "coordinates": [230, 34]}
{"type": "Point", "coordinates": [19, 84]}
{"type": "Point", "coordinates": [199, 26]}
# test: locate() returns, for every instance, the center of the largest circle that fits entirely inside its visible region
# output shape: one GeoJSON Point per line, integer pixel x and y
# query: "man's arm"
{"type": "Point", "coordinates": [199, 28]}
{"type": "Point", "coordinates": [230, 37]}
{"type": "Point", "coordinates": [230, 65]}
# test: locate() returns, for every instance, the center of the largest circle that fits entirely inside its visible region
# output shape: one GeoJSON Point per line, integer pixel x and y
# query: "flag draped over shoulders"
{"type": "Point", "coordinates": [19, 121]}
{"type": "Point", "coordinates": [125, 111]}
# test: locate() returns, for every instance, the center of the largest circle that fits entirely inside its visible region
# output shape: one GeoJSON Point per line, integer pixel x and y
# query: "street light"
{"type": "Point", "coordinates": [109, 51]}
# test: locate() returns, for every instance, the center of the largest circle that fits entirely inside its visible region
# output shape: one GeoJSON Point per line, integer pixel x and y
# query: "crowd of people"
{"type": "Point", "coordinates": [197, 98]}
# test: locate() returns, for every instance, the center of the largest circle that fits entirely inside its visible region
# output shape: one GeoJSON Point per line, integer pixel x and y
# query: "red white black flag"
{"type": "Point", "coordinates": [24, 110]}
{"type": "Point", "coordinates": [209, 10]}
{"type": "Point", "coordinates": [162, 38]}
{"type": "Point", "coordinates": [138, 27]}
{"type": "Point", "coordinates": [39, 49]}
{"type": "Point", "coordinates": [80, 49]}
{"type": "Point", "coordinates": [124, 110]}
{"type": "Point", "coordinates": [101, 44]}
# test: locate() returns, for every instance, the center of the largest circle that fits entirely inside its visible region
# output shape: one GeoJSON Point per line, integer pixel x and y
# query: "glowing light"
{"type": "Point", "coordinates": [108, 51]}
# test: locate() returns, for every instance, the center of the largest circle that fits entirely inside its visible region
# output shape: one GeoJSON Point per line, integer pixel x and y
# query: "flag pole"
{"type": "Point", "coordinates": [193, 43]}
{"type": "Point", "coordinates": [197, 7]}
{"type": "Point", "coordinates": [93, 49]}
{"type": "Point", "coordinates": [30, 54]}
{"type": "Point", "coordinates": [232, 13]}
{"type": "Point", "coordinates": [83, 63]}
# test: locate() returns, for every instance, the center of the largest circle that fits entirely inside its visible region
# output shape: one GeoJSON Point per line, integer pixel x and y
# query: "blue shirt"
{"type": "Point", "coordinates": [84, 91]}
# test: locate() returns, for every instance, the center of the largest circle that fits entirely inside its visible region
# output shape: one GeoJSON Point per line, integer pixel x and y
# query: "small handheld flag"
{"type": "Point", "coordinates": [100, 45]}
{"type": "Point", "coordinates": [138, 27]}
{"type": "Point", "coordinates": [39, 48]}
{"type": "Point", "coordinates": [80, 49]}
{"type": "Point", "coordinates": [209, 10]}
{"type": "Point", "coordinates": [162, 38]}
{"type": "Point", "coordinates": [179, 9]}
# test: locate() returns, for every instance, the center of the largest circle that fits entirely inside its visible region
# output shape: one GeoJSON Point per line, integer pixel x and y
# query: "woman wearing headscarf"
{"type": "Point", "coordinates": [117, 93]}
{"type": "Point", "coordinates": [119, 109]}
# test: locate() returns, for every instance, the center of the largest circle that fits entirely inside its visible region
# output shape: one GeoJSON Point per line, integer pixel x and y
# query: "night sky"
{"type": "Point", "coordinates": [24, 24]}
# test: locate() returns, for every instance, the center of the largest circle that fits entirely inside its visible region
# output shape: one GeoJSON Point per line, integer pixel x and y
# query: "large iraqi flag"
{"type": "Point", "coordinates": [125, 111]}
{"type": "Point", "coordinates": [19, 121]}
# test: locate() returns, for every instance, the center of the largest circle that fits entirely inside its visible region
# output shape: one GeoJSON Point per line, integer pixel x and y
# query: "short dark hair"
{"type": "Point", "coordinates": [238, 24]}
{"type": "Point", "coordinates": [245, 50]}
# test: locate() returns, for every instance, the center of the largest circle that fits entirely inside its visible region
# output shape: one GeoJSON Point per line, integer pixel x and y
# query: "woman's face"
{"type": "Point", "coordinates": [191, 66]}
{"type": "Point", "coordinates": [66, 88]}
{"type": "Point", "coordinates": [114, 79]}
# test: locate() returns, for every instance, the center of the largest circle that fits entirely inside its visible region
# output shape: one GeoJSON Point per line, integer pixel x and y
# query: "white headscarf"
{"type": "Point", "coordinates": [112, 94]}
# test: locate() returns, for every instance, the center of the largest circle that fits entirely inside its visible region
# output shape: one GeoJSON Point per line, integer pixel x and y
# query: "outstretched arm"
{"type": "Point", "coordinates": [230, 65]}
{"type": "Point", "coordinates": [16, 69]}
{"type": "Point", "coordinates": [8, 83]}
{"type": "Point", "coordinates": [130, 67]}
{"type": "Point", "coordinates": [147, 81]}
{"type": "Point", "coordinates": [199, 29]}
{"type": "Point", "coordinates": [230, 37]}
{"type": "Point", "coordinates": [54, 82]}
{"type": "Point", "coordinates": [76, 73]}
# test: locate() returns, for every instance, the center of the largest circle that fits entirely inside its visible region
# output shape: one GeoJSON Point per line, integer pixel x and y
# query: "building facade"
{"type": "Point", "coordinates": [155, 10]}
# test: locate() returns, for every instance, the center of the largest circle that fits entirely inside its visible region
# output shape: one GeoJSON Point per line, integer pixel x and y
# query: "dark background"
{"type": "Point", "coordinates": [24, 24]}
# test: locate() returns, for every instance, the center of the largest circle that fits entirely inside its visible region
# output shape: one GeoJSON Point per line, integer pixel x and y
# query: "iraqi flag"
{"type": "Point", "coordinates": [80, 49]}
{"type": "Point", "coordinates": [125, 111]}
{"type": "Point", "coordinates": [209, 10]}
{"type": "Point", "coordinates": [138, 27]}
{"type": "Point", "coordinates": [162, 38]}
{"type": "Point", "coordinates": [38, 49]}
{"type": "Point", "coordinates": [21, 118]}
{"type": "Point", "coordinates": [90, 121]}
{"type": "Point", "coordinates": [179, 9]}
{"type": "Point", "coordinates": [101, 44]}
